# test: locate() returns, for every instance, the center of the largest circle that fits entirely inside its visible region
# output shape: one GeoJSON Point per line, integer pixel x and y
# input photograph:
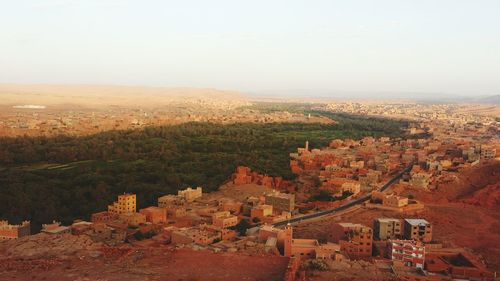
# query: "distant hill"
{"type": "Point", "coordinates": [490, 100]}
{"type": "Point", "coordinates": [14, 94]}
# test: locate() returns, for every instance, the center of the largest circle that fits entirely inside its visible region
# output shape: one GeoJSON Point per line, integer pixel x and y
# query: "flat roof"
{"type": "Point", "coordinates": [350, 224]}
{"type": "Point", "coordinates": [56, 230]}
{"type": "Point", "coordinates": [417, 221]}
{"type": "Point", "coordinates": [304, 242]}
{"type": "Point", "coordinates": [387, 219]}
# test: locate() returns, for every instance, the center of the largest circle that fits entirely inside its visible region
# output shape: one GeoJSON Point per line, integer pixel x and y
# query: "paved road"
{"type": "Point", "coordinates": [346, 205]}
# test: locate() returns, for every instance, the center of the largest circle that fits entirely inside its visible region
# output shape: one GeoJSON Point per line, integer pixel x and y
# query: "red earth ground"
{"type": "Point", "coordinates": [136, 263]}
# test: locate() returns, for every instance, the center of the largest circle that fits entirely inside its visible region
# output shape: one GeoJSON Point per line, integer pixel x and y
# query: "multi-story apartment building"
{"type": "Point", "coordinates": [387, 228]}
{"type": "Point", "coordinates": [281, 201]}
{"type": "Point", "coordinates": [417, 229]}
{"type": "Point", "coordinates": [126, 204]}
{"type": "Point", "coordinates": [355, 240]}
{"type": "Point", "coordinates": [410, 252]}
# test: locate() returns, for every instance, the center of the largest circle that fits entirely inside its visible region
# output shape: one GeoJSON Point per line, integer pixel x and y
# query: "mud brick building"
{"type": "Point", "coordinates": [14, 231]}
{"type": "Point", "coordinates": [126, 204]}
{"type": "Point", "coordinates": [355, 239]}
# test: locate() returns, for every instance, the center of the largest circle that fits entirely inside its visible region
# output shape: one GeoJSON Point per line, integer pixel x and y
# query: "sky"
{"type": "Point", "coordinates": [328, 47]}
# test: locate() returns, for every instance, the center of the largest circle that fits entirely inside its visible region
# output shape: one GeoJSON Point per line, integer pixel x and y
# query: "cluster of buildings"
{"type": "Point", "coordinates": [435, 160]}
{"type": "Point", "coordinates": [348, 167]}
{"type": "Point", "coordinates": [460, 114]}
{"type": "Point", "coordinates": [187, 218]}
{"type": "Point", "coordinates": [351, 167]}
{"type": "Point", "coordinates": [394, 237]}
{"type": "Point", "coordinates": [403, 240]}
{"type": "Point", "coordinates": [245, 175]}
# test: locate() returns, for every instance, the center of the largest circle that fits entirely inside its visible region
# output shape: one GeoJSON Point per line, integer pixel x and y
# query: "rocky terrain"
{"type": "Point", "coordinates": [67, 257]}
{"type": "Point", "coordinates": [352, 271]}
{"type": "Point", "coordinates": [487, 197]}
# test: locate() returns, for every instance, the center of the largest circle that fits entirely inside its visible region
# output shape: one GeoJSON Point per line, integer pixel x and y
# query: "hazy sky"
{"type": "Point", "coordinates": [448, 46]}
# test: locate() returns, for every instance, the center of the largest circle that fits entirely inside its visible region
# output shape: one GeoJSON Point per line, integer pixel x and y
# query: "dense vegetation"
{"type": "Point", "coordinates": [324, 195]}
{"type": "Point", "coordinates": [64, 177]}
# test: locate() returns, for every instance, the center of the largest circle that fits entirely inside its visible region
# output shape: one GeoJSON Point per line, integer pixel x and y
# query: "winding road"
{"type": "Point", "coordinates": [352, 203]}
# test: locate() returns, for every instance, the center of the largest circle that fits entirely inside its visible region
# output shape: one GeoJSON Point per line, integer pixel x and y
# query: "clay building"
{"type": "Point", "coordinates": [298, 247]}
{"type": "Point", "coordinates": [133, 219]}
{"type": "Point", "coordinates": [355, 239]}
{"type": "Point", "coordinates": [175, 205]}
{"type": "Point", "coordinates": [80, 227]}
{"type": "Point", "coordinates": [170, 200]}
{"type": "Point", "coordinates": [395, 201]}
{"type": "Point", "coordinates": [224, 219]}
{"type": "Point", "coordinates": [202, 235]}
{"type": "Point", "coordinates": [294, 166]}
{"type": "Point", "coordinates": [126, 204]}
{"type": "Point", "coordinates": [280, 201]}
{"type": "Point", "coordinates": [55, 228]}
{"type": "Point", "coordinates": [14, 231]}
{"type": "Point", "coordinates": [190, 194]}
{"type": "Point", "coordinates": [369, 180]}
{"type": "Point", "coordinates": [176, 212]}
{"type": "Point", "coordinates": [457, 266]}
{"type": "Point", "coordinates": [234, 207]}
{"type": "Point", "coordinates": [409, 252]}
{"type": "Point", "coordinates": [242, 176]}
{"type": "Point", "coordinates": [353, 187]}
{"type": "Point", "coordinates": [419, 179]}
{"type": "Point", "coordinates": [328, 251]}
{"type": "Point", "coordinates": [387, 228]}
{"type": "Point", "coordinates": [302, 248]}
{"type": "Point", "coordinates": [261, 211]}
{"type": "Point", "coordinates": [101, 232]}
{"type": "Point", "coordinates": [417, 229]}
{"type": "Point", "coordinates": [154, 214]}
{"type": "Point", "coordinates": [488, 152]}
{"type": "Point", "coordinates": [103, 217]}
